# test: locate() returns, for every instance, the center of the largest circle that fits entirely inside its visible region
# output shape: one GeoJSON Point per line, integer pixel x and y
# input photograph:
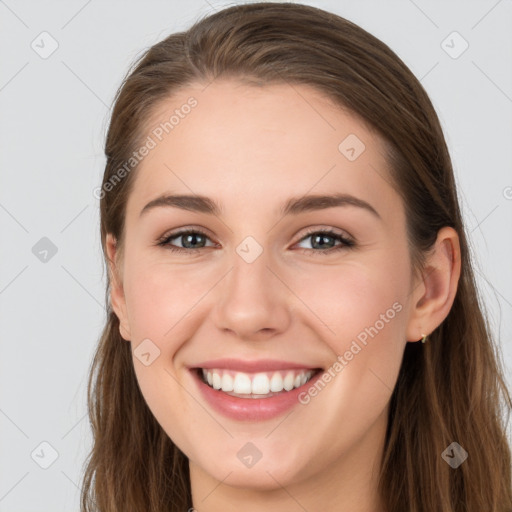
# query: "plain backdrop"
{"type": "Point", "coordinates": [61, 63]}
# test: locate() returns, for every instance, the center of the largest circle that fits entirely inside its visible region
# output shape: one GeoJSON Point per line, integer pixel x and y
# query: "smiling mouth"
{"type": "Point", "coordinates": [255, 385]}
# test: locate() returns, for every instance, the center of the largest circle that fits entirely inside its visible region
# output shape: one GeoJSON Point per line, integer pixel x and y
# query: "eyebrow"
{"type": "Point", "coordinates": [293, 206]}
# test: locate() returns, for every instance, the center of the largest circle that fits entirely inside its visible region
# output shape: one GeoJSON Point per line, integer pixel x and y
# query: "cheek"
{"type": "Point", "coordinates": [353, 299]}
{"type": "Point", "coordinates": [160, 303]}
{"type": "Point", "coordinates": [360, 312]}
{"type": "Point", "coordinates": [164, 306]}
{"type": "Point", "coordinates": [159, 298]}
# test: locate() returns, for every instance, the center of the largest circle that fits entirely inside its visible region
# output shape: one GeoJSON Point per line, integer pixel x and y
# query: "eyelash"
{"type": "Point", "coordinates": [347, 243]}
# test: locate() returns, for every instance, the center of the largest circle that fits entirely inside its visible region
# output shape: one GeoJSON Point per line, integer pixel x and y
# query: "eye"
{"type": "Point", "coordinates": [320, 239]}
{"type": "Point", "coordinates": [189, 239]}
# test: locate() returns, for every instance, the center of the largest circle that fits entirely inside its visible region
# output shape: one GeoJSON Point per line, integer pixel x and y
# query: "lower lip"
{"type": "Point", "coordinates": [251, 409]}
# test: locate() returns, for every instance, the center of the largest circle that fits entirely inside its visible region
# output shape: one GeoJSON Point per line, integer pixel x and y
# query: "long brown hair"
{"type": "Point", "coordinates": [451, 389]}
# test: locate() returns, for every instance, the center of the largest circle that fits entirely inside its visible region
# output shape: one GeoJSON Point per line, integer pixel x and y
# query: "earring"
{"type": "Point", "coordinates": [424, 338]}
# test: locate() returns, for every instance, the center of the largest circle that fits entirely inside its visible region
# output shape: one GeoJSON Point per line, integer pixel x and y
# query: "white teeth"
{"type": "Point", "coordinates": [289, 381]}
{"type": "Point", "coordinates": [276, 382]}
{"type": "Point", "coordinates": [242, 383]}
{"type": "Point", "coordinates": [263, 383]}
{"type": "Point", "coordinates": [217, 381]}
{"type": "Point", "coordinates": [260, 384]}
{"type": "Point", "coordinates": [227, 382]}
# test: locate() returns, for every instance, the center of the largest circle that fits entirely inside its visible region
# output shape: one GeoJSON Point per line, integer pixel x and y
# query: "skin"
{"type": "Point", "coordinates": [250, 149]}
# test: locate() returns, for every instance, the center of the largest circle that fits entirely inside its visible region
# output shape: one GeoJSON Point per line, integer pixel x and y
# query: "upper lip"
{"type": "Point", "coordinates": [260, 365]}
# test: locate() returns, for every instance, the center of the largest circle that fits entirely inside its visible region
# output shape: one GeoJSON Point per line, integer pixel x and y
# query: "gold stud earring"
{"type": "Point", "coordinates": [424, 338]}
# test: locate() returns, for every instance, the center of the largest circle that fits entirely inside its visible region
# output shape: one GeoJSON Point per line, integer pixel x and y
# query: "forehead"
{"type": "Point", "coordinates": [243, 145]}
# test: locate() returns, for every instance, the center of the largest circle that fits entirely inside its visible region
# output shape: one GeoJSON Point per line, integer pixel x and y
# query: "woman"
{"type": "Point", "coordinates": [281, 227]}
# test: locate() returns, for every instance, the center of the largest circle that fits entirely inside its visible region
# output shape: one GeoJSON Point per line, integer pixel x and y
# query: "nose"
{"type": "Point", "coordinates": [253, 300]}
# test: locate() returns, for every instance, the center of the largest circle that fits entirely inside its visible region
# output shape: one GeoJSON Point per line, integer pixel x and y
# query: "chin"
{"type": "Point", "coordinates": [267, 474]}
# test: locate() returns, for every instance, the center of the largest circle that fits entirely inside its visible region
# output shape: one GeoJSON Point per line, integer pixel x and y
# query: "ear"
{"type": "Point", "coordinates": [117, 298]}
{"type": "Point", "coordinates": [434, 293]}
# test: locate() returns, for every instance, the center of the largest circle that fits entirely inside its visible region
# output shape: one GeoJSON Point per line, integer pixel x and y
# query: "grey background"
{"type": "Point", "coordinates": [54, 113]}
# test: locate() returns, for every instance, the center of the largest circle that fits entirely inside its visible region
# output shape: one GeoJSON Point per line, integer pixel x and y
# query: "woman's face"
{"type": "Point", "coordinates": [258, 285]}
